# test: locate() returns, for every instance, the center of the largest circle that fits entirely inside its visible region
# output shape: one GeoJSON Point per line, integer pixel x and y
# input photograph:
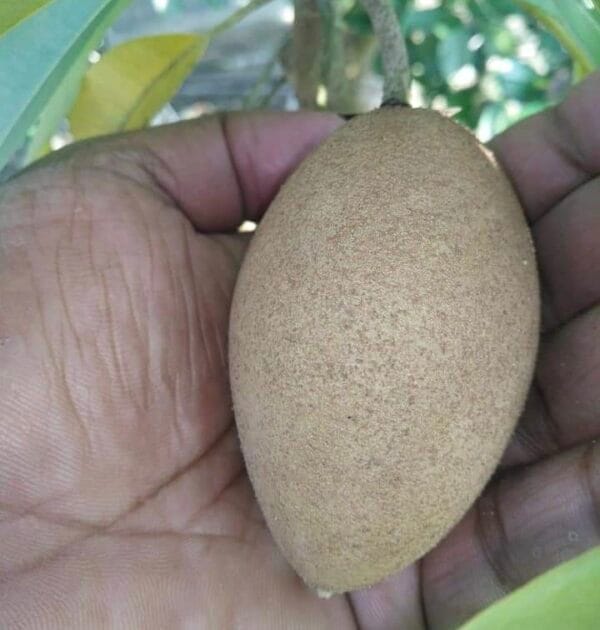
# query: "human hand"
{"type": "Point", "coordinates": [123, 498]}
{"type": "Point", "coordinates": [543, 505]}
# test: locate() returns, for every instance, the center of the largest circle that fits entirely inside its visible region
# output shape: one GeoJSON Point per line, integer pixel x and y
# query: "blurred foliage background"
{"type": "Point", "coordinates": [129, 63]}
{"type": "Point", "coordinates": [487, 61]}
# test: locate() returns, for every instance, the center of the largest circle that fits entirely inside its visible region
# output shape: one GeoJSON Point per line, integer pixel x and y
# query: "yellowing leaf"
{"type": "Point", "coordinates": [565, 598]}
{"type": "Point", "coordinates": [132, 82]}
{"type": "Point", "coordinates": [579, 72]}
{"type": "Point", "coordinates": [574, 24]}
{"type": "Point", "coordinates": [14, 11]}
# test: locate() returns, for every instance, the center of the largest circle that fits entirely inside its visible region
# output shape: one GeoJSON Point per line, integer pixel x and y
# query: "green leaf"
{"type": "Point", "coordinates": [14, 11]}
{"type": "Point", "coordinates": [468, 103]}
{"type": "Point", "coordinates": [531, 108]}
{"type": "Point", "coordinates": [132, 82]}
{"type": "Point", "coordinates": [357, 20]}
{"type": "Point", "coordinates": [552, 51]}
{"type": "Point", "coordinates": [493, 118]}
{"type": "Point", "coordinates": [568, 596]}
{"type": "Point", "coordinates": [33, 65]}
{"type": "Point", "coordinates": [573, 24]}
{"type": "Point", "coordinates": [486, 12]}
{"type": "Point", "coordinates": [425, 20]}
{"type": "Point", "coordinates": [501, 41]}
{"type": "Point", "coordinates": [579, 72]}
{"type": "Point", "coordinates": [519, 81]}
{"type": "Point", "coordinates": [56, 109]}
{"type": "Point", "coordinates": [453, 52]}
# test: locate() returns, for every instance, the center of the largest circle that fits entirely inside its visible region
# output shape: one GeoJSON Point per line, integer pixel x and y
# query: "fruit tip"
{"type": "Point", "coordinates": [394, 102]}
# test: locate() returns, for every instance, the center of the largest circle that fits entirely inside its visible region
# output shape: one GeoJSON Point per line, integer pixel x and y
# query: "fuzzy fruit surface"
{"type": "Point", "coordinates": [383, 337]}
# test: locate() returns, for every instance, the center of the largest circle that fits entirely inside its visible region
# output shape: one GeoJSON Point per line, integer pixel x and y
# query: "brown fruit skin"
{"type": "Point", "coordinates": [383, 337]}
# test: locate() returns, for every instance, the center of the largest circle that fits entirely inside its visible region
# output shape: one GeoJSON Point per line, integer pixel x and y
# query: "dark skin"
{"type": "Point", "coordinates": [123, 496]}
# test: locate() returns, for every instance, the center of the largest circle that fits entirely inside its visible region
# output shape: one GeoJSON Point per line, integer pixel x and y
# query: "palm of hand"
{"type": "Point", "coordinates": [123, 497]}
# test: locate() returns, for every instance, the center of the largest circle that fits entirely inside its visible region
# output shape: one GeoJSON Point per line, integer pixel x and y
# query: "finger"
{"type": "Point", "coordinates": [563, 409]}
{"type": "Point", "coordinates": [568, 254]}
{"type": "Point", "coordinates": [381, 606]}
{"type": "Point", "coordinates": [221, 170]}
{"type": "Point", "coordinates": [551, 154]}
{"type": "Point", "coordinates": [524, 524]}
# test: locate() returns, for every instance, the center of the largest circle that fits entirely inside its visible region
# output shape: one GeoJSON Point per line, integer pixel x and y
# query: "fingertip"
{"type": "Point", "coordinates": [267, 147]}
{"type": "Point", "coordinates": [224, 169]}
{"type": "Point", "coordinates": [549, 155]}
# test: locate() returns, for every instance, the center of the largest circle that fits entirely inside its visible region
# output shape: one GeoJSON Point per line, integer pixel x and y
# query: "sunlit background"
{"type": "Point", "coordinates": [485, 61]}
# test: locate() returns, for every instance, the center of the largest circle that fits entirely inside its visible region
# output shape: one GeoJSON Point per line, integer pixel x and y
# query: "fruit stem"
{"type": "Point", "coordinates": [396, 68]}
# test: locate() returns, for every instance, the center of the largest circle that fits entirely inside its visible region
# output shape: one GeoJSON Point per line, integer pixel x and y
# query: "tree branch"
{"type": "Point", "coordinates": [393, 50]}
{"type": "Point", "coordinates": [333, 62]}
{"type": "Point", "coordinates": [306, 50]}
{"type": "Point", "coordinates": [259, 95]}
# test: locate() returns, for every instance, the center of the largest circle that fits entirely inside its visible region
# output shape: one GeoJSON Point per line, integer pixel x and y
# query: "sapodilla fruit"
{"type": "Point", "coordinates": [383, 336]}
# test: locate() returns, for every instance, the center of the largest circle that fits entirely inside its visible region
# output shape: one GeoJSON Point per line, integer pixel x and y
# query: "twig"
{"type": "Point", "coordinates": [393, 50]}
{"type": "Point", "coordinates": [267, 98]}
{"type": "Point", "coordinates": [235, 17]}
{"type": "Point", "coordinates": [255, 96]}
{"type": "Point", "coordinates": [307, 50]}
{"type": "Point", "coordinates": [333, 62]}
